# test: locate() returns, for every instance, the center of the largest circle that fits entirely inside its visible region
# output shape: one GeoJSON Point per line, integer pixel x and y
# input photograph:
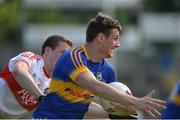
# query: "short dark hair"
{"type": "Point", "coordinates": [53, 41]}
{"type": "Point", "coordinates": [101, 23]}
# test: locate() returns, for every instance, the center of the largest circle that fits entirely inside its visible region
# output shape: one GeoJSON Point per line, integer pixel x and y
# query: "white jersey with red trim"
{"type": "Point", "coordinates": [10, 107]}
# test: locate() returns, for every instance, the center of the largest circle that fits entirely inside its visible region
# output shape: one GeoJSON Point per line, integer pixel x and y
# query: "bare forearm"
{"type": "Point", "coordinates": [26, 82]}
{"type": "Point", "coordinates": [24, 78]}
{"type": "Point", "coordinates": [104, 90]}
{"type": "Point", "coordinates": [112, 94]}
{"type": "Point", "coordinates": [145, 104]}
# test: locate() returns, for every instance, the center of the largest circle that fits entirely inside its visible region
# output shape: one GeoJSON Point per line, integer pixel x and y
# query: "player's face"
{"type": "Point", "coordinates": [55, 54]}
{"type": "Point", "coordinates": [111, 43]}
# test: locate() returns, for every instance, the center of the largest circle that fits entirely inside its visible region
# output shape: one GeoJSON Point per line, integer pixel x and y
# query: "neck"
{"type": "Point", "coordinates": [93, 52]}
{"type": "Point", "coordinates": [47, 69]}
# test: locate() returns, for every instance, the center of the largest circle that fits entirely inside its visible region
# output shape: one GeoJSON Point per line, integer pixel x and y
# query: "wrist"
{"type": "Point", "coordinates": [136, 103]}
{"type": "Point", "coordinates": [132, 101]}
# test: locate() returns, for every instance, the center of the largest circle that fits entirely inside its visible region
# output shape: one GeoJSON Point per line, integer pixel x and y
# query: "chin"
{"type": "Point", "coordinates": [110, 56]}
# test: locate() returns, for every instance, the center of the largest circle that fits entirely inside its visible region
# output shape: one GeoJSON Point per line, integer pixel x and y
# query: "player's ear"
{"type": "Point", "coordinates": [100, 37]}
{"type": "Point", "coordinates": [150, 94]}
{"type": "Point", "coordinates": [47, 50]}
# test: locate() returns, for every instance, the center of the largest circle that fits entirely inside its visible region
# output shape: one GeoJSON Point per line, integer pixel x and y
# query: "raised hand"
{"type": "Point", "coordinates": [149, 105]}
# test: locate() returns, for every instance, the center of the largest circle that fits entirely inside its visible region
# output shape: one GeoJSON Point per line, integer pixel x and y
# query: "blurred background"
{"type": "Point", "coordinates": [150, 44]}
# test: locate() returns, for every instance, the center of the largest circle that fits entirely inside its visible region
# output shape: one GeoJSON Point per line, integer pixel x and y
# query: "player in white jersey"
{"type": "Point", "coordinates": [27, 77]}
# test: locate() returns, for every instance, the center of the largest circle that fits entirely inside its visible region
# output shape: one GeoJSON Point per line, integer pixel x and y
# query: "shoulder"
{"type": "Point", "coordinates": [30, 55]}
{"type": "Point", "coordinates": [27, 56]}
{"type": "Point", "coordinates": [76, 52]}
{"type": "Point", "coordinates": [76, 55]}
{"type": "Point", "coordinates": [72, 57]}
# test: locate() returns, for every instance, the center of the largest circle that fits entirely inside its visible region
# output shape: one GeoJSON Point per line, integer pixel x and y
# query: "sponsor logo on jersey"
{"type": "Point", "coordinates": [77, 94]}
{"type": "Point", "coordinates": [26, 97]}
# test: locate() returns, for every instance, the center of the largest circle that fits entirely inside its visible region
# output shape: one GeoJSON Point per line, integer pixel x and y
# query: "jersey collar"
{"type": "Point", "coordinates": [84, 49]}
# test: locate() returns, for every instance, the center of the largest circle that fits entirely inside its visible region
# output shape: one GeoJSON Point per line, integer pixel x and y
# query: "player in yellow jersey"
{"type": "Point", "coordinates": [83, 72]}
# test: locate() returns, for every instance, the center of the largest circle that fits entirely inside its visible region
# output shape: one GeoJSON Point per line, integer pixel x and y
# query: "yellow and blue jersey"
{"type": "Point", "coordinates": [172, 110]}
{"type": "Point", "coordinates": [66, 99]}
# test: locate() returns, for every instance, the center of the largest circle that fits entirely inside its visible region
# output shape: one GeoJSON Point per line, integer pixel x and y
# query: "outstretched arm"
{"type": "Point", "coordinates": [145, 104]}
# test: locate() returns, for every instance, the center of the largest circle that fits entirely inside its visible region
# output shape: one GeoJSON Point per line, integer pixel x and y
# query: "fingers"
{"type": "Point", "coordinates": [151, 105]}
{"type": "Point", "coordinates": [155, 103]}
{"type": "Point", "coordinates": [151, 109]}
{"type": "Point", "coordinates": [161, 102]}
{"type": "Point", "coordinates": [150, 94]}
{"type": "Point", "coordinates": [150, 114]}
{"type": "Point", "coordinates": [154, 113]}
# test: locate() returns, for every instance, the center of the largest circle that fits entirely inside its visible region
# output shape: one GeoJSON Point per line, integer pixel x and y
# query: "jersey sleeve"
{"type": "Point", "coordinates": [70, 65]}
{"type": "Point", "coordinates": [27, 57]}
